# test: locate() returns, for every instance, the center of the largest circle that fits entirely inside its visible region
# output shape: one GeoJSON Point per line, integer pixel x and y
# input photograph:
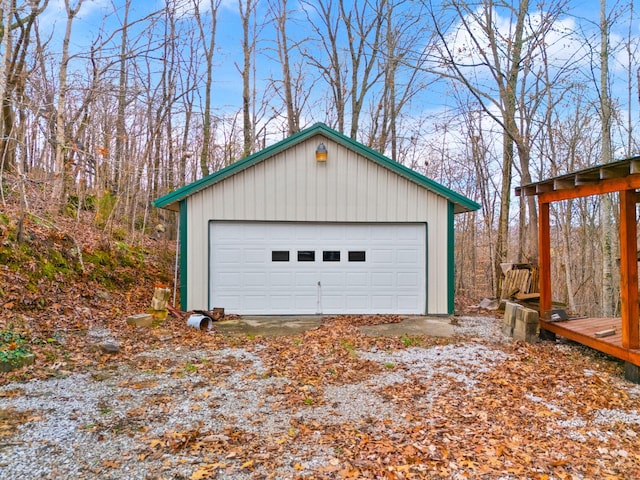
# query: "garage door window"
{"type": "Point", "coordinates": [306, 256]}
{"type": "Point", "coordinates": [280, 256]}
{"type": "Point", "coordinates": [357, 256]}
{"type": "Point", "coordinates": [331, 256]}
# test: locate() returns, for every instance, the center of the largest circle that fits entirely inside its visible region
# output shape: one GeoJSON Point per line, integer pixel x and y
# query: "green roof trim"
{"type": "Point", "coordinates": [462, 203]}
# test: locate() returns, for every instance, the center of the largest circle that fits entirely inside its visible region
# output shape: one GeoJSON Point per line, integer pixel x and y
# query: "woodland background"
{"type": "Point", "coordinates": [108, 104]}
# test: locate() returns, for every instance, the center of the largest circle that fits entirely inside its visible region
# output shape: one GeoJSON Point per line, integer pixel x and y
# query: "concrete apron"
{"type": "Point", "coordinates": [275, 325]}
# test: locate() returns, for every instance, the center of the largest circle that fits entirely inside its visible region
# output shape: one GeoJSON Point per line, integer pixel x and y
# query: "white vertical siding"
{"type": "Point", "coordinates": [294, 187]}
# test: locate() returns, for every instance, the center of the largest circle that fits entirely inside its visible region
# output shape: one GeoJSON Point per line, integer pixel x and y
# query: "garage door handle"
{"type": "Point", "coordinates": [319, 299]}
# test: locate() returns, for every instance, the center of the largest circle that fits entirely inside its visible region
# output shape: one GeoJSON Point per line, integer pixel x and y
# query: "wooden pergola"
{"type": "Point", "coordinates": [622, 177]}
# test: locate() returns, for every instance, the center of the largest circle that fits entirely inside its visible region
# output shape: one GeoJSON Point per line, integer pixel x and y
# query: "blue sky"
{"type": "Point", "coordinates": [96, 15]}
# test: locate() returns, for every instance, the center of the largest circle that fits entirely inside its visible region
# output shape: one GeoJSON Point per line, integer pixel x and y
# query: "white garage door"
{"type": "Point", "coordinates": [308, 268]}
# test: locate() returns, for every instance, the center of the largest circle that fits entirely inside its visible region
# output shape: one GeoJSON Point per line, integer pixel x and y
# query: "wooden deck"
{"type": "Point", "coordinates": [583, 331]}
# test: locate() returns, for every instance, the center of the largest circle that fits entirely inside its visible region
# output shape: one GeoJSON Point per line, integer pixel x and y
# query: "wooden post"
{"type": "Point", "coordinates": [544, 245]}
{"type": "Point", "coordinates": [629, 270]}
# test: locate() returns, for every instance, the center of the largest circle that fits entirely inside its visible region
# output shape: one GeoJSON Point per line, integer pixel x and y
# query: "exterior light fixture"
{"type": "Point", "coordinates": [321, 153]}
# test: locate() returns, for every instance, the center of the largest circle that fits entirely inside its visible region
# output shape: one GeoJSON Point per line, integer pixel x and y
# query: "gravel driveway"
{"type": "Point", "coordinates": [349, 408]}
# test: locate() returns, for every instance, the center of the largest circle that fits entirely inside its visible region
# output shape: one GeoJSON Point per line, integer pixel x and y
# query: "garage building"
{"type": "Point", "coordinates": [317, 223]}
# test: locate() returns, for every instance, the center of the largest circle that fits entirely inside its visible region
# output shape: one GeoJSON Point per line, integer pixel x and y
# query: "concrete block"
{"type": "Point", "coordinates": [509, 319]}
{"type": "Point", "coordinates": [510, 310]}
{"type": "Point", "coordinates": [140, 320]}
{"type": "Point", "coordinates": [526, 315]}
{"type": "Point", "coordinates": [507, 330]}
{"type": "Point", "coordinates": [160, 298]}
{"type": "Point", "coordinates": [527, 325]}
{"type": "Point", "coordinates": [632, 372]}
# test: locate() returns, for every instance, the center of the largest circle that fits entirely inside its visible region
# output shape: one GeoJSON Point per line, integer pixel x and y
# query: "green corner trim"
{"type": "Point", "coordinates": [451, 277]}
{"type": "Point", "coordinates": [426, 269]}
{"type": "Point", "coordinates": [460, 202]}
{"type": "Point", "coordinates": [183, 254]}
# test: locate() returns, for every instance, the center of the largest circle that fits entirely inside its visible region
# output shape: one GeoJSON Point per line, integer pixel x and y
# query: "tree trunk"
{"type": "Point", "coordinates": [59, 192]}
{"type": "Point", "coordinates": [606, 208]}
{"type": "Point", "coordinates": [208, 45]}
{"type": "Point", "coordinates": [121, 131]}
{"type": "Point", "coordinates": [247, 48]}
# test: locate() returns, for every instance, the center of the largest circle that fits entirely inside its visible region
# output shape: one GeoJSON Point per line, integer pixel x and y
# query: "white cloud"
{"type": "Point", "coordinates": [186, 8]}
{"type": "Point", "coordinates": [471, 44]}
{"type": "Point", "coordinates": [53, 19]}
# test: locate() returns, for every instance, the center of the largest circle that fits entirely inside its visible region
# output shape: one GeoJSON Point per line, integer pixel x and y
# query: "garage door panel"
{"type": "Point", "coordinates": [231, 302]}
{"type": "Point", "coordinates": [358, 280]}
{"type": "Point", "coordinates": [255, 256]}
{"type": "Point", "coordinates": [332, 303]}
{"type": "Point", "coordinates": [407, 256]}
{"type": "Point", "coordinates": [254, 279]}
{"type": "Point", "coordinates": [229, 255]}
{"type": "Point", "coordinates": [382, 280]}
{"type": "Point", "coordinates": [281, 279]}
{"type": "Point", "coordinates": [251, 232]}
{"type": "Point", "coordinates": [229, 278]}
{"type": "Point", "coordinates": [385, 272]}
{"type": "Point", "coordinates": [383, 302]}
{"type": "Point", "coordinates": [406, 279]}
{"type": "Point", "coordinates": [284, 302]}
{"type": "Point", "coordinates": [383, 234]}
{"type": "Point", "coordinates": [382, 257]}
{"type": "Point", "coordinates": [409, 236]}
{"type": "Point", "coordinates": [306, 303]}
{"type": "Point", "coordinates": [306, 279]}
{"type": "Point", "coordinates": [254, 302]}
{"type": "Point", "coordinates": [279, 234]}
{"type": "Point", "coordinates": [359, 235]}
{"type": "Point", "coordinates": [306, 233]}
{"type": "Point", "coordinates": [407, 303]}
{"type": "Point", "coordinates": [357, 302]}
{"type": "Point", "coordinates": [334, 279]}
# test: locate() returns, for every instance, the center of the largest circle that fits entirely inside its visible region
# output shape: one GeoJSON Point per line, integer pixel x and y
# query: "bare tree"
{"type": "Point", "coordinates": [61, 165]}
{"type": "Point", "coordinates": [401, 82]}
{"type": "Point", "coordinates": [350, 77]}
{"type": "Point", "coordinates": [606, 211]}
{"type": "Point", "coordinates": [247, 13]}
{"type": "Point", "coordinates": [279, 12]}
{"type": "Point", "coordinates": [208, 43]}
{"type": "Point", "coordinates": [121, 131]}
{"type": "Point", "coordinates": [16, 24]}
{"type": "Point", "coordinates": [632, 50]}
{"type": "Point", "coordinates": [490, 65]}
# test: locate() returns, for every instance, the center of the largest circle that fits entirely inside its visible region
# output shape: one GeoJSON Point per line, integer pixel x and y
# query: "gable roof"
{"type": "Point", "coordinates": [461, 203]}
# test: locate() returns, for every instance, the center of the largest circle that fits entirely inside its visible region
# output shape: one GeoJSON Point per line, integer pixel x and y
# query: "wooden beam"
{"type": "Point", "coordinates": [564, 183]}
{"type": "Point", "coordinates": [585, 179]}
{"type": "Point", "coordinates": [545, 187]}
{"type": "Point", "coordinates": [528, 191]}
{"type": "Point", "coordinates": [629, 270]}
{"type": "Point", "coordinates": [604, 186]}
{"type": "Point", "coordinates": [544, 246]}
{"type": "Point", "coordinates": [617, 171]}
